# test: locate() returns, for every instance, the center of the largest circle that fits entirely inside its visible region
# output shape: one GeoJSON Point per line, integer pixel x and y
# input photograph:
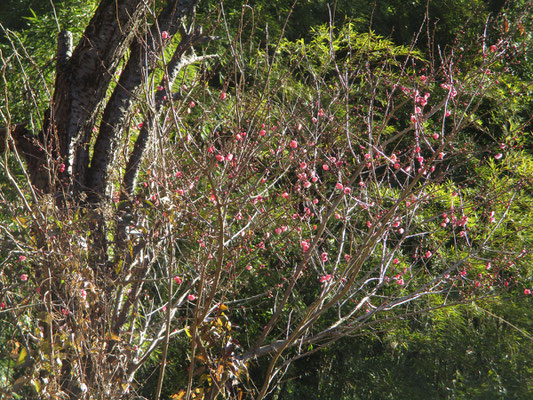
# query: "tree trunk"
{"type": "Point", "coordinates": [60, 162]}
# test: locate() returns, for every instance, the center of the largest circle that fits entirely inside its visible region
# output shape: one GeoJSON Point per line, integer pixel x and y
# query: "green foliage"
{"type": "Point", "coordinates": [29, 55]}
{"type": "Point", "coordinates": [219, 221]}
{"type": "Point", "coordinates": [467, 352]}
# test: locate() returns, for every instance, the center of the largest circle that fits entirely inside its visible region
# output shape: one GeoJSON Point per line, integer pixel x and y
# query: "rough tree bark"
{"type": "Point", "coordinates": [62, 149]}
{"type": "Point", "coordinates": [266, 200]}
{"type": "Point", "coordinates": [60, 162]}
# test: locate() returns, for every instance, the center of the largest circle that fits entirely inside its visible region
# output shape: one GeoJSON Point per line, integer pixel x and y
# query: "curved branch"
{"type": "Point", "coordinates": [82, 81]}
{"type": "Point", "coordinates": [176, 64]}
{"type": "Point", "coordinates": [140, 64]}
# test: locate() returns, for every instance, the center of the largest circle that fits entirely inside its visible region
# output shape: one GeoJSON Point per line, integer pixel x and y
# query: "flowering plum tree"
{"type": "Point", "coordinates": [319, 190]}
